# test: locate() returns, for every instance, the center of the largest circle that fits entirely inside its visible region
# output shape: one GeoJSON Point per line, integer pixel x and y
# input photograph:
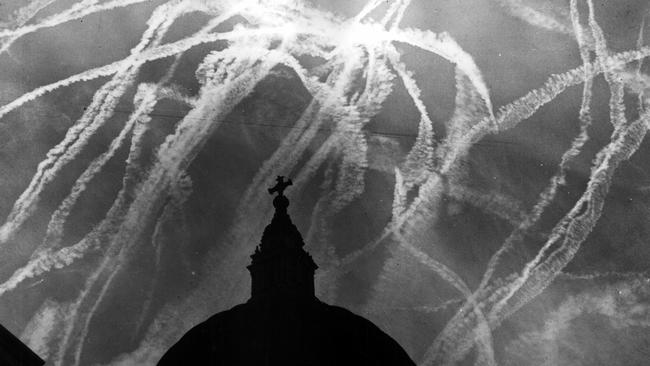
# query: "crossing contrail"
{"type": "Point", "coordinates": [350, 68]}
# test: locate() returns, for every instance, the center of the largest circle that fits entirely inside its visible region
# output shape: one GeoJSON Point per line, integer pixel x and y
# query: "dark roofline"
{"type": "Point", "coordinates": [14, 352]}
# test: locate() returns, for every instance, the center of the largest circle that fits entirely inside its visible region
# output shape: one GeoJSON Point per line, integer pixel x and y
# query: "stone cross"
{"type": "Point", "coordinates": [280, 186]}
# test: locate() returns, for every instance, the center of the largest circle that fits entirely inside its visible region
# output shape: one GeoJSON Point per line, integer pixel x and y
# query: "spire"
{"type": "Point", "coordinates": [280, 267]}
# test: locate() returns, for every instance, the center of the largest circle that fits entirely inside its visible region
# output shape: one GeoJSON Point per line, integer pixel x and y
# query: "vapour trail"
{"type": "Point", "coordinates": [445, 46]}
{"type": "Point", "coordinates": [508, 117]}
{"type": "Point", "coordinates": [136, 60]}
{"type": "Point", "coordinates": [331, 142]}
{"type": "Point", "coordinates": [400, 14]}
{"type": "Point", "coordinates": [217, 98]}
{"type": "Point", "coordinates": [330, 276]}
{"type": "Point", "coordinates": [48, 255]}
{"type": "Point", "coordinates": [392, 9]}
{"type": "Point", "coordinates": [47, 259]}
{"type": "Point", "coordinates": [639, 45]}
{"type": "Point", "coordinates": [179, 193]}
{"type": "Point", "coordinates": [548, 194]}
{"type": "Point", "coordinates": [337, 85]}
{"type": "Point", "coordinates": [419, 161]}
{"type": "Point", "coordinates": [545, 21]}
{"type": "Point", "coordinates": [427, 208]}
{"type": "Point", "coordinates": [456, 340]}
{"type": "Point", "coordinates": [367, 9]}
{"type": "Point", "coordinates": [616, 112]}
{"type": "Point", "coordinates": [347, 142]}
{"type": "Point", "coordinates": [305, 129]}
{"type": "Point", "coordinates": [25, 14]}
{"type": "Point", "coordinates": [484, 334]}
{"type": "Point", "coordinates": [440, 269]}
{"type": "Point", "coordinates": [352, 158]}
{"type": "Point", "coordinates": [451, 322]}
{"type": "Point", "coordinates": [145, 100]}
{"type": "Point", "coordinates": [457, 128]}
{"type": "Point", "coordinates": [579, 224]}
{"type": "Point", "coordinates": [174, 93]}
{"type": "Point", "coordinates": [44, 326]}
{"type": "Point", "coordinates": [399, 194]}
{"type": "Point", "coordinates": [422, 154]}
{"type": "Point", "coordinates": [139, 55]}
{"type": "Point", "coordinates": [485, 349]}
{"type": "Point", "coordinates": [427, 309]}
{"type": "Point", "coordinates": [499, 205]}
{"type": "Point", "coordinates": [113, 217]}
{"type": "Point", "coordinates": [77, 11]}
{"type": "Point", "coordinates": [159, 334]}
{"type": "Point", "coordinates": [621, 302]}
{"type": "Point", "coordinates": [533, 16]}
{"type": "Point", "coordinates": [97, 113]}
{"type": "Point", "coordinates": [614, 80]}
{"type": "Point", "coordinates": [565, 276]}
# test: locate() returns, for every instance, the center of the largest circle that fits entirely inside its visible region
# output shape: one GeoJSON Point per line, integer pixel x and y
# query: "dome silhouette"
{"type": "Point", "coordinates": [283, 323]}
{"type": "Point", "coordinates": [13, 352]}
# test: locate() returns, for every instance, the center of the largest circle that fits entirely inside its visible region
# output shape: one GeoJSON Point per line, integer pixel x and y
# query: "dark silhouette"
{"type": "Point", "coordinates": [283, 323]}
{"type": "Point", "coordinates": [13, 352]}
{"type": "Point", "coordinates": [280, 186]}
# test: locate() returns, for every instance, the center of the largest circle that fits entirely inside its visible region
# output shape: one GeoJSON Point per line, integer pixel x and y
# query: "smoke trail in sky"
{"type": "Point", "coordinates": [293, 146]}
{"type": "Point", "coordinates": [45, 326]}
{"type": "Point", "coordinates": [48, 255]}
{"type": "Point", "coordinates": [349, 142]}
{"type": "Point", "coordinates": [568, 234]}
{"type": "Point", "coordinates": [448, 153]}
{"type": "Point", "coordinates": [96, 114]}
{"type": "Point", "coordinates": [315, 113]}
{"type": "Point", "coordinates": [350, 68]}
{"type": "Point", "coordinates": [445, 46]}
{"type": "Point", "coordinates": [367, 9]}
{"type": "Point", "coordinates": [422, 213]}
{"type": "Point", "coordinates": [400, 14]}
{"type": "Point", "coordinates": [616, 106]}
{"type": "Point", "coordinates": [21, 16]}
{"type": "Point", "coordinates": [490, 202]}
{"type": "Point", "coordinates": [179, 192]}
{"type": "Point", "coordinates": [176, 94]}
{"type": "Point", "coordinates": [534, 16]}
{"type": "Point", "coordinates": [624, 303]}
{"type": "Point", "coordinates": [135, 60]}
{"type": "Point", "coordinates": [548, 194]}
{"type": "Point", "coordinates": [639, 45]}
{"type": "Point", "coordinates": [77, 11]}
{"type": "Point", "coordinates": [173, 157]}
{"type": "Point", "coordinates": [439, 350]}
{"type": "Point", "coordinates": [419, 161]}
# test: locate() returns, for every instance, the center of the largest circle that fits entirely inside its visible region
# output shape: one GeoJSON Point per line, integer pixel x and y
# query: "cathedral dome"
{"type": "Point", "coordinates": [297, 333]}
{"type": "Point", "coordinates": [283, 323]}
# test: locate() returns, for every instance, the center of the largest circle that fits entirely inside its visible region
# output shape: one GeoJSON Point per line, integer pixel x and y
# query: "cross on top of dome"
{"type": "Point", "coordinates": [280, 202]}
{"type": "Point", "coordinates": [280, 186]}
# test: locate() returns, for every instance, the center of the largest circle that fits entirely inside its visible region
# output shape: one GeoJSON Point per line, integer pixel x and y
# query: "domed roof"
{"type": "Point", "coordinates": [298, 333]}
{"type": "Point", "coordinates": [283, 323]}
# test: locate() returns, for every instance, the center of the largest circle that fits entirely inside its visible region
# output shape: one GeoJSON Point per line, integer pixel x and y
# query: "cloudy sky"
{"type": "Point", "coordinates": [471, 175]}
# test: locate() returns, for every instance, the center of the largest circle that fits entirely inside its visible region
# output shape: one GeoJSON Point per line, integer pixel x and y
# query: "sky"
{"type": "Point", "coordinates": [470, 175]}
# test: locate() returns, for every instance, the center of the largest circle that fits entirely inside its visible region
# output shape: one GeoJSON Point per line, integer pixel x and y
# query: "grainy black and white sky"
{"type": "Point", "coordinates": [460, 176]}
